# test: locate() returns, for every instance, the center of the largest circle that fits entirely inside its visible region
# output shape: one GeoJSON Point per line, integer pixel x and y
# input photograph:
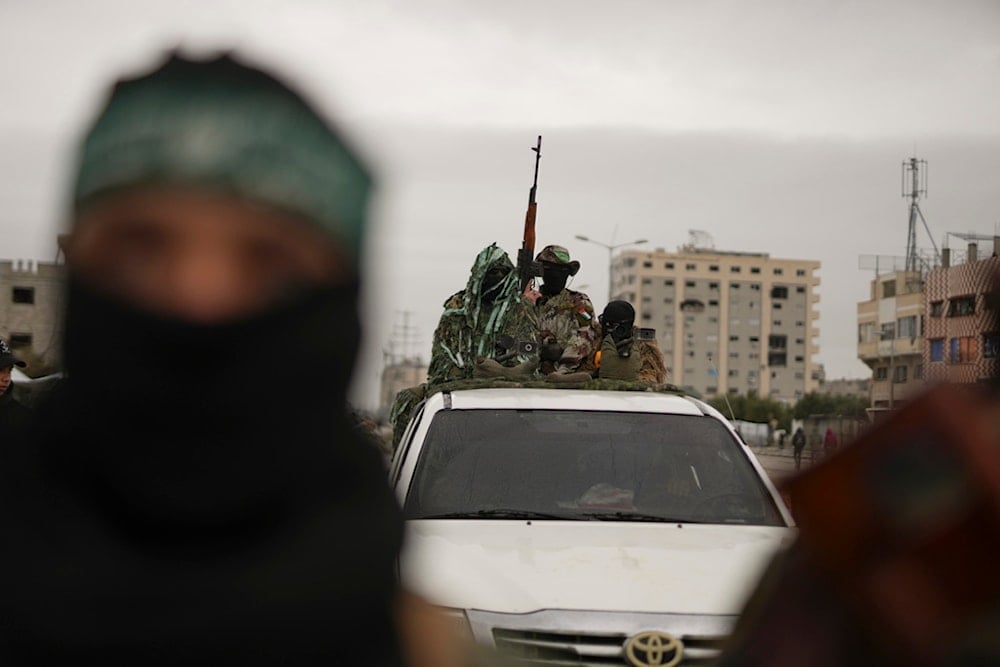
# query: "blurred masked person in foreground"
{"type": "Point", "coordinates": [196, 492]}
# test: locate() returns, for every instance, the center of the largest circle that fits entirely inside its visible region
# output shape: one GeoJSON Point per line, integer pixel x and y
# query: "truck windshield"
{"type": "Point", "coordinates": [565, 464]}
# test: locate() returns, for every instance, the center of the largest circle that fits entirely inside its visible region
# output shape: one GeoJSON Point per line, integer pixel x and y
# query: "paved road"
{"type": "Point", "coordinates": [778, 462]}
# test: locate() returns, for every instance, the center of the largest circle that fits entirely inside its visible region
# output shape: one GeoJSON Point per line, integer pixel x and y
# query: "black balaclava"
{"type": "Point", "coordinates": [494, 280]}
{"type": "Point", "coordinates": [617, 321]}
{"type": "Point", "coordinates": [554, 277]}
{"type": "Point", "coordinates": [196, 493]}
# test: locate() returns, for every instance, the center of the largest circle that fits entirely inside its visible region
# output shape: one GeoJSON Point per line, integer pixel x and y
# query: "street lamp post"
{"type": "Point", "coordinates": [891, 335]}
{"type": "Point", "coordinates": [610, 248]}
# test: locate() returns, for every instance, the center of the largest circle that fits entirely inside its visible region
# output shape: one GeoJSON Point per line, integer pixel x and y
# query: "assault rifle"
{"type": "Point", "coordinates": [527, 267]}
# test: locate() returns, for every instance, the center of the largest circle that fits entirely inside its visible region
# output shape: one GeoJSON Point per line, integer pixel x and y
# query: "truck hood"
{"type": "Point", "coordinates": [520, 566]}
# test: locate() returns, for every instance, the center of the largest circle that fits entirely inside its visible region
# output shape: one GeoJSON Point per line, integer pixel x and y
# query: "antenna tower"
{"type": "Point", "coordinates": [914, 186]}
{"type": "Point", "coordinates": [403, 339]}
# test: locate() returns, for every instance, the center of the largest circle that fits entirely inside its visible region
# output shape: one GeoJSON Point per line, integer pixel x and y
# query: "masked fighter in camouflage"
{"type": "Point", "coordinates": [568, 332]}
{"type": "Point", "coordinates": [486, 320]}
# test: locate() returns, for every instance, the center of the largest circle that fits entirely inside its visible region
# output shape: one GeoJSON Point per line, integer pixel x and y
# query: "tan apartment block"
{"type": "Point", "coordinates": [891, 337]}
{"type": "Point", "coordinates": [727, 321]}
{"type": "Point", "coordinates": [31, 303]}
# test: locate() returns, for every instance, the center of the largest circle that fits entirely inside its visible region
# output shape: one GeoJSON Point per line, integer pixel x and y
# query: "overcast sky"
{"type": "Point", "coordinates": [775, 126]}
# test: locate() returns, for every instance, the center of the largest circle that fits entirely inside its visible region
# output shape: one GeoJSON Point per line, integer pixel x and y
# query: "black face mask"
{"type": "Point", "coordinates": [196, 425]}
{"type": "Point", "coordinates": [492, 282]}
{"type": "Point", "coordinates": [553, 279]}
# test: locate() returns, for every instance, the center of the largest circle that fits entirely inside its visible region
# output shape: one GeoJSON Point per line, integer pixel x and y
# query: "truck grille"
{"type": "Point", "coordinates": [527, 647]}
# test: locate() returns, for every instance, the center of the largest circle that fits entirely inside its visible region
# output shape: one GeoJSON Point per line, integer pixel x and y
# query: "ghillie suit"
{"type": "Point", "coordinates": [485, 329]}
{"type": "Point", "coordinates": [489, 319]}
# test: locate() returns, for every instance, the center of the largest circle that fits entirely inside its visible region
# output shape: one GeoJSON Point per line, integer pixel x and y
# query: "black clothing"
{"type": "Point", "coordinates": [200, 496]}
{"type": "Point", "coordinates": [14, 415]}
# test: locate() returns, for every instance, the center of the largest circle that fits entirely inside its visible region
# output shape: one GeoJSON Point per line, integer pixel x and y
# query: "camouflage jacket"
{"type": "Point", "coordinates": [568, 317]}
{"type": "Point", "coordinates": [471, 329]}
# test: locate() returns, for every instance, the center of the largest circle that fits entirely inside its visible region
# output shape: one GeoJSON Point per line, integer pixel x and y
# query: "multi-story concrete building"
{"type": "Point", "coordinates": [31, 296]}
{"type": "Point", "coordinates": [727, 321]}
{"type": "Point", "coordinates": [891, 336]}
{"type": "Point", "coordinates": [963, 336]}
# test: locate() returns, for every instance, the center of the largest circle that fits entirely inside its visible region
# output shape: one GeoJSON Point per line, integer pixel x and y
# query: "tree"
{"type": "Point", "coordinates": [844, 405]}
{"type": "Point", "coordinates": [753, 408]}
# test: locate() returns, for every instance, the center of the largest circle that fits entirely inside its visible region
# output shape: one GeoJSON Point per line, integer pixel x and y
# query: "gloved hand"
{"type": "Point", "coordinates": [550, 351]}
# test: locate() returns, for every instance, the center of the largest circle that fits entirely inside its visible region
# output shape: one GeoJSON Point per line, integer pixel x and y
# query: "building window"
{"type": "Point", "coordinates": [776, 306]}
{"type": "Point", "coordinates": [777, 323]}
{"type": "Point", "coordinates": [937, 349]}
{"type": "Point", "coordinates": [647, 265]}
{"type": "Point", "coordinates": [962, 350]}
{"type": "Point", "coordinates": [734, 339]}
{"type": "Point", "coordinates": [961, 306]}
{"type": "Point", "coordinates": [778, 359]}
{"type": "Point", "coordinates": [20, 340]}
{"type": "Point", "coordinates": [630, 262]}
{"type": "Point", "coordinates": [918, 372]}
{"type": "Point", "coordinates": [906, 327]}
{"type": "Point", "coordinates": [668, 300]}
{"type": "Point", "coordinates": [647, 316]}
{"type": "Point", "coordinates": [800, 324]}
{"type": "Point", "coordinates": [882, 373]}
{"type": "Point", "coordinates": [800, 376]}
{"type": "Point", "coordinates": [734, 286]}
{"type": "Point", "coordinates": [754, 339]}
{"type": "Point", "coordinates": [754, 269]}
{"type": "Point", "coordinates": [755, 286]}
{"type": "Point", "coordinates": [800, 272]}
{"type": "Point", "coordinates": [647, 281]}
{"type": "Point", "coordinates": [778, 271]}
{"type": "Point", "coordinates": [714, 286]}
{"type": "Point", "coordinates": [713, 267]}
{"type": "Point", "coordinates": [733, 373]}
{"type": "Point", "coordinates": [690, 267]}
{"type": "Point", "coordinates": [668, 283]}
{"type": "Point", "coordinates": [689, 283]}
{"type": "Point", "coordinates": [899, 374]}
{"type": "Point", "coordinates": [888, 330]}
{"type": "Point", "coordinates": [23, 295]}
{"type": "Point", "coordinates": [735, 269]}
{"type": "Point", "coordinates": [734, 355]}
{"type": "Point", "coordinates": [779, 292]}
{"type": "Point", "coordinates": [713, 302]}
{"type": "Point", "coordinates": [800, 341]}
{"type": "Point", "coordinates": [937, 308]}
{"type": "Point", "coordinates": [777, 342]}
{"type": "Point", "coordinates": [799, 359]}
{"type": "Point", "coordinates": [991, 343]}
{"type": "Point", "coordinates": [888, 289]}
{"type": "Point", "coordinates": [668, 265]}
{"type": "Point", "coordinates": [647, 299]}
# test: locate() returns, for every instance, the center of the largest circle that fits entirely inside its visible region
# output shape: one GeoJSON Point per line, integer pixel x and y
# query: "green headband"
{"type": "Point", "coordinates": [222, 125]}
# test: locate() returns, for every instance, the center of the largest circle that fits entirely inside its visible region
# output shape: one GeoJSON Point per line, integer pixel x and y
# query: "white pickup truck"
{"type": "Point", "coordinates": [581, 527]}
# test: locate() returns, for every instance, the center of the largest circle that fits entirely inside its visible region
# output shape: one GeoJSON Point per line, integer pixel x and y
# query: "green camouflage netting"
{"type": "Point", "coordinates": [470, 329]}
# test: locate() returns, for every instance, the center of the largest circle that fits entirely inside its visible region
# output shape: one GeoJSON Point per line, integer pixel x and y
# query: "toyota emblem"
{"type": "Point", "coordinates": [654, 649]}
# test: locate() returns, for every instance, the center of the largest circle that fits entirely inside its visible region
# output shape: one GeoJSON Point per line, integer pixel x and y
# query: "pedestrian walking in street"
{"type": "Point", "coordinates": [14, 416]}
{"type": "Point", "coordinates": [798, 444]}
{"type": "Point", "coordinates": [829, 442]}
{"type": "Point", "coordinates": [180, 504]}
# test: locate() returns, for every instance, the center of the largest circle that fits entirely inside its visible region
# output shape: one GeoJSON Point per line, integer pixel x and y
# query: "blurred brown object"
{"type": "Point", "coordinates": [896, 561]}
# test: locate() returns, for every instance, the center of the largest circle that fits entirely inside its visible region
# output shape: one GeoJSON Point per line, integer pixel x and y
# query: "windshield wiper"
{"type": "Point", "coordinates": [502, 514]}
{"type": "Point", "coordinates": [635, 516]}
